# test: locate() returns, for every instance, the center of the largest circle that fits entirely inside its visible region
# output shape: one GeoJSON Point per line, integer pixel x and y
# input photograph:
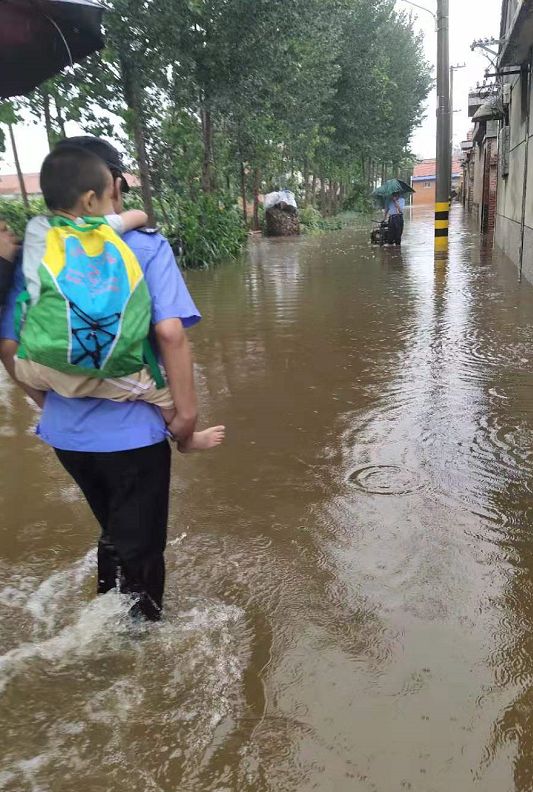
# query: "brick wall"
{"type": "Point", "coordinates": [490, 186]}
{"type": "Point", "coordinates": [493, 186]}
{"type": "Point", "coordinates": [470, 186]}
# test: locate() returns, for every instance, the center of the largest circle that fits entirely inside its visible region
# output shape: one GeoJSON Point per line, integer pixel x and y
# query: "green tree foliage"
{"type": "Point", "coordinates": [229, 98]}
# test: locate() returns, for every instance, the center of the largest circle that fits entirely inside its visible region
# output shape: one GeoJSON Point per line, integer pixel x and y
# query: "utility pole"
{"type": "Point", "coordinates": [442, 198]}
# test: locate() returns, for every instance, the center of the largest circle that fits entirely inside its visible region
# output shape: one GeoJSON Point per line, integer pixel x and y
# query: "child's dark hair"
{"type": "Point", "coordinates": [69, 172]}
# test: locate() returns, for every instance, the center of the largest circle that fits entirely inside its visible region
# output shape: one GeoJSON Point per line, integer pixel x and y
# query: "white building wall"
{"type": "Point", "coordinates": [508, 233]}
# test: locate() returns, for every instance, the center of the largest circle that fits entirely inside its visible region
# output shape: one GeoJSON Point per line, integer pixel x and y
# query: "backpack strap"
{"type": "Point", "coordinates": [90, 223]}
{"type": "Point", "coordinates": [22, 304]}
{"type": "Point", "coordinates": [151, 361]}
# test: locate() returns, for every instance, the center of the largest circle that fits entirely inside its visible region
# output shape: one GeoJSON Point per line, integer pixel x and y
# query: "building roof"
{"type": "Point", "coordinates": [427, 169]}
{"type": "Point", "coordinates": [9, 183]}
{"type": "Point", "coordinates": [516, 33]}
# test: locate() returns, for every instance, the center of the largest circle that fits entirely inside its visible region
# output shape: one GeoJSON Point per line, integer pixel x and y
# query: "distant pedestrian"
{"type": "Point", "coordinates": [394, 214]}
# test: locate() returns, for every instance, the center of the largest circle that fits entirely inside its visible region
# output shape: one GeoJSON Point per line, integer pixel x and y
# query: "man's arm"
{"type": "Point", "coordinates": [8, 253]}
{"type": "Point", "coordinates": [9, 335]}
{"type": "Point", "coordinates": [177, 360]}
{"type": "Point", "coordinates": [173, 310]}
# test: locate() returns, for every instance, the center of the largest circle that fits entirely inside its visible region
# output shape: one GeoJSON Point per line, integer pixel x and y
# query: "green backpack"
{"type": "Point", "coordinates": [93, 313]}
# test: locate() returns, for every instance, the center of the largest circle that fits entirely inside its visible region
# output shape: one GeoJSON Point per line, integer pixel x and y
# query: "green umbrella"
{"type": "Point", "coordinates": [390, 188]}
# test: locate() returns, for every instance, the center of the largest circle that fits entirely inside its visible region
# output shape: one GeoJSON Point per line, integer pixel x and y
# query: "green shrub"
{"type": "Point", "coordinates": [358, 199]}
{"type": "Point", "coordinates": [211, 229]}
{"type": "Point", "coordinates": [15, 214]}
{"type": "Point", "coordinates": [312, 221]}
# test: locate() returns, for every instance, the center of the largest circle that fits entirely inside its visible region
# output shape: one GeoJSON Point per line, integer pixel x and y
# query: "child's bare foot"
{"type": "Point", "coordinates": [203, 441]}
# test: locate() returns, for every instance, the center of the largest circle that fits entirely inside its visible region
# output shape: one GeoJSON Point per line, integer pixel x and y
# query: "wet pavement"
{"type": "Point", "coordinates": [350, 587]}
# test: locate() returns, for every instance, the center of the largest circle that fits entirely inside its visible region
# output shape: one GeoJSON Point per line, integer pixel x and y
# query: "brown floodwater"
{"type": "Point", "coordinates": [350, 579]}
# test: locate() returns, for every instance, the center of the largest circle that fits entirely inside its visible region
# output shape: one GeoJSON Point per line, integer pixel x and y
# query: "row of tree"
{"type": "Point", "coordinates": [238, 96]}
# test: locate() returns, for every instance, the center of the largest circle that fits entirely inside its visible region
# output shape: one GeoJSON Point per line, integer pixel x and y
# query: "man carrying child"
{"type": "Point", "coordinates": [114, 439]}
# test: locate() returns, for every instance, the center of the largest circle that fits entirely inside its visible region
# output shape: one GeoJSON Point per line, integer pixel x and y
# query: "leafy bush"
{"type": "Point", "coordinates": [312, 221]}
{"type": "Point", "coordinates": [209, 230]}
{"type": "Point", "coordinates": [15, 214]}
{"type": "Point", "coordinates": [359, 199]}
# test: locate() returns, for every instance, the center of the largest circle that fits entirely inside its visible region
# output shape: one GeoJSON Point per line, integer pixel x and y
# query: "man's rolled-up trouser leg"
{"type": "Point", "coordinates": [128, 492]}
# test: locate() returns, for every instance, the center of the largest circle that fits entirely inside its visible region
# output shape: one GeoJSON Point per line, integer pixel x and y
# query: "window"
{"type": "Point", "coordinates": [427, 185]}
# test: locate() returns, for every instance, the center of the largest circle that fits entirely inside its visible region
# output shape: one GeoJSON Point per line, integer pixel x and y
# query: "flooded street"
{"type": "Point", "coordinates": [350, 580]}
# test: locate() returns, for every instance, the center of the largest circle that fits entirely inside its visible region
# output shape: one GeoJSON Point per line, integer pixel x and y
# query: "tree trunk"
{"type": "Point", "coordinates": [20, 175]}
{"type": "Point", "coordinates": [208, 180]}
{"type": "Point", "coordinates": [256, 225]}
{"type": "Point", "coordinates": [313, 190]}
{"type": "Point", "coordinates": [60, 119]}
{"type": "Point", "coordinates": [243, 194]}
{"type": "Point", "coordinates": [306, 181]}
{"type": "Point", "coordinates": [323, 207]}
{"type": "Point", "coordinates": [133, 97]}
{"type": "Point", "coordinates": [48, 119]}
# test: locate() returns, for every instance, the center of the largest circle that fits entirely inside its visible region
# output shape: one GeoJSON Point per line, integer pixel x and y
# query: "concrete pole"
{"type": "Point", "coordinates": [442, 200]}
{"type": "Point", "coordinates": [452, 74]}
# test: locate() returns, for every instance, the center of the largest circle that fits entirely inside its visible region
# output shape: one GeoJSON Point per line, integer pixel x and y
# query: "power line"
{"type": "Point", "coordinates": [422, 8]}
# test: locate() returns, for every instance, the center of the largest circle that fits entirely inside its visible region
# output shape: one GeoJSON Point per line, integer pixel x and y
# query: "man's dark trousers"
{"type": "Point", "coordinates": [396, 229]}
{"type": "Point", "coordinates": [128, 492]}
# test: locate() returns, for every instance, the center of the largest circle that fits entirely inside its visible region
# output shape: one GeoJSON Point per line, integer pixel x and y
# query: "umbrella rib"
{"type": "Point", "coordinates": [54, 23]}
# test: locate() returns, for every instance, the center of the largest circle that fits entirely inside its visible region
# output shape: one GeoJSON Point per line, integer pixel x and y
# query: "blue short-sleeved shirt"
{"type": "Point", "coordinates": [99, 424]}
{"type": "Point", "coordinates": [394, 208]}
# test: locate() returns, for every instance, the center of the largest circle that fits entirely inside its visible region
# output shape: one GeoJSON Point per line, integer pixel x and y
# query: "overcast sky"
{"type": "Point", "coordinates": [469, 19]}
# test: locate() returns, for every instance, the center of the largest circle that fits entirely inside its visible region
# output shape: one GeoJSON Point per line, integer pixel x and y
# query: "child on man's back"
{"type": "Point", "coordinates": [77, 185]}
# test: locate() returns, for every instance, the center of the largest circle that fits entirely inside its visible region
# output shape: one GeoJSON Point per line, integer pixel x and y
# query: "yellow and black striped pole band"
{"type": "Point", "coordinates": [442, 219]}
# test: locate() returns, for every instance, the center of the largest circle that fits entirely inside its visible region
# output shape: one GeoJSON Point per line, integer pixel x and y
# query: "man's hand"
{"type": "Point", "coordinates": [182, 428]}
{"type": "Point", "coordinates": [9, 245]}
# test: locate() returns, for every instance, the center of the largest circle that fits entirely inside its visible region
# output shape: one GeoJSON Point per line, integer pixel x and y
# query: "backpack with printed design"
{"type": "Point", "coordinates": [93, 313]}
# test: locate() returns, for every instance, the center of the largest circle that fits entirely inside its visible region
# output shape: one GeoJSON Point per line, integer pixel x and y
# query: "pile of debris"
{"type": "Point", "coordinates": [281, 214]}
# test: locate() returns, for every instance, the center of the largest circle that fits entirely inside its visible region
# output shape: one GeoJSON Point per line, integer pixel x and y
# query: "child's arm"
{"type": "Point", "coordinates": [127, 221]}
{"type": "Point", "coordinates": [133, 218]}
{"type": "Point", "coordinates": [32, 253]}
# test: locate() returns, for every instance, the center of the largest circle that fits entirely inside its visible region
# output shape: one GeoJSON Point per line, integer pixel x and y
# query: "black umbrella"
{"type": "Point", "coordinates": [38, 38]}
